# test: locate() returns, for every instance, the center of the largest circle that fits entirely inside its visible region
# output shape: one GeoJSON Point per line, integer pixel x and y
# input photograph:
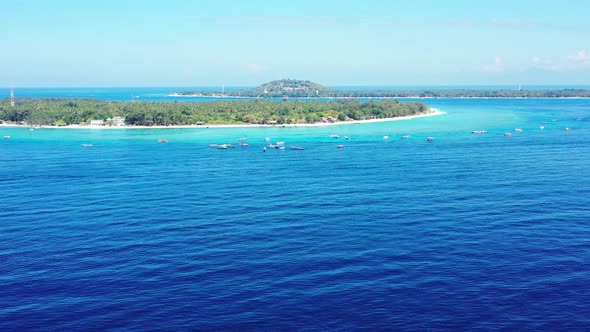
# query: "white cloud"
{"type": "Point", "coordinates": [497, 66]}
{"type": "Point", "coordinates": [581, 56]}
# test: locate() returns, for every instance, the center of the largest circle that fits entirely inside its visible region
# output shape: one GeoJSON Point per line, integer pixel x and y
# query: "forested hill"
{"type": "Point", "coordinates": [306, 89]}
{"type": "Point", "coordinates": [292, 88]}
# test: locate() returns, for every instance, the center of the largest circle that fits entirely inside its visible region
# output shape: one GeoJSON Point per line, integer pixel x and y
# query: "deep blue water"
{"type": "Point", "coordinates": [467, 232]}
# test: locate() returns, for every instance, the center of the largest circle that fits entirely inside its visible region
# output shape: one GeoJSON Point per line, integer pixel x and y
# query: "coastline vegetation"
{"type": "Point", "coordinates": [62, 112]}
{"type": "Point", "coordinates": [306, 89]}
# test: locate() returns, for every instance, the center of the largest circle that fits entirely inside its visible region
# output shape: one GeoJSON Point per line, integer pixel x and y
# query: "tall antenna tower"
{"type": "Point", "coordinates": [11, 97]}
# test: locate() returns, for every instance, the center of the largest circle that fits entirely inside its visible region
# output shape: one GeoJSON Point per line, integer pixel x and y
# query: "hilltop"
{"type": "Point", "coordinates": [291, 88]}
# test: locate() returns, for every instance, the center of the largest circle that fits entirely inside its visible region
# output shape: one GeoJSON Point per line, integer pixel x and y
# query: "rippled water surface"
{"type": "Point", "coordinates": [468, 231]}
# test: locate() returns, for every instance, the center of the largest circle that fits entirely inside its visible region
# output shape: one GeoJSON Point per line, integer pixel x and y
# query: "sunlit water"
{"type": "Point", "coordinates": [466, 232]}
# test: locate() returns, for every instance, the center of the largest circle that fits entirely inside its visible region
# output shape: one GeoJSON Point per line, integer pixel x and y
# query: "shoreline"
{"type": "Point", "coordinates": [433, 112]}
{"type": "Point", "coordinates": [366, 97]}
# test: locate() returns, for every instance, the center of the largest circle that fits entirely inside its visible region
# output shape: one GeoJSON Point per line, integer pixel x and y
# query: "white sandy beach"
{"type": "Point", "coordinates": [433, 112]}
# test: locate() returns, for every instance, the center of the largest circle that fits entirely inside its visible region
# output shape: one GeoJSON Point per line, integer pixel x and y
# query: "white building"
{"type": "Point", "coordinates": [117, 121]}
{"type": "Point", "coordinates": [97, 122]}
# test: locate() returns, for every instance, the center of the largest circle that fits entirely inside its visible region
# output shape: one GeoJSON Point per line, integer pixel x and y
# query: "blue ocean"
{"type": "Point", "coordinates": [466, 232]}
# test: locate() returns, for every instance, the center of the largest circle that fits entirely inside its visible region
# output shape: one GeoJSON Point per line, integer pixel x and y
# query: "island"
{"type": "Point", "coordinates": [91, 112]}
{"type": "Point", "coordinates": [290, 88]}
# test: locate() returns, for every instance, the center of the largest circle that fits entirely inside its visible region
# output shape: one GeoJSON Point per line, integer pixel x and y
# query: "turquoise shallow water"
{"type": "Point", "coordinates": [469, 231]}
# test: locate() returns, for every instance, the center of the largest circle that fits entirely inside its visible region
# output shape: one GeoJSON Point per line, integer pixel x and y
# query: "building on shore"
{"type": "Point", "coordinates": [116, 121]}
{"type": "Point", "coordinates": [97, 122]}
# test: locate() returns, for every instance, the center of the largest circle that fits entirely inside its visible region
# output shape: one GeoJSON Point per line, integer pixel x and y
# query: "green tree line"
{"type": "Point", "coordinates": [82, 111]}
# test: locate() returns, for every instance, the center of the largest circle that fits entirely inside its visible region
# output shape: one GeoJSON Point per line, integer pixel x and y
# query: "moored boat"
{"type": "Point", "coordinates": [429, 139]}
{"type": "Point", "coordinates": [6, 137]}
{"type": "Point", "coordinates": [518, 130]}
{"type": "Point", "coordinates": [340, 146]}
{"type": "Point", "coordinates": [297, 148]}
{"type": "Point", "coordinates": [507, 134]}
{"type": "Point", "coordinates": [334, 136]}
{"type": "Point", "coordinates": [479, 132]}
{"type": "Point", "coordinates": [405, 137]}
{"type": "Point", "coordinates": [162, 141]}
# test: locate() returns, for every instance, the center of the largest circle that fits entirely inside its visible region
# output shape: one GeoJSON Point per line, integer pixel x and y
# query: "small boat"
{"type": "Point", "coordinates": [281, 148]}
{"type": "Point", "coordinates": [221, 146]}
{"type": "Point", "coordinates": [243, 139]}
{"type": "Point", "coordinates": [6, 137]}
{"type": "Point", "coordinates": [297, 148]}
{"type": "Point", "coordinates": [162, 141]}
{"type": "Point", "coordinates": [385, 137]}
{"type": "Point", "coordinates": [280, 143]}
{"type": "Point", "coordinates": [479, 132]}
{"type": "Point", "coordinates": [31, 129]}
{"type": "Point", "coordinates": [507, 134]}
{"type": "Point", "coordinates": [273, 146]}
{"type": "Point", "coordinates": [567, 129]}
{"type": "Point", "coordinates": [244, 145]}
{"type": "Point", "coordinates": [267, 139]}
{"type": "Point", "coordinates": [87, 145]}
{"type": "Point", "coordinates": [264, 149]}
{"type": "Point", "coordinates": [518, 130]}
{"type": "Point", "coordinates": [346, 137]}
{"type": "Point", "coordinates": [334, 136]}
{"type": "Point", "coordinates": [405, 136]}
{"type": "Point", "coordinates": [542, 127]}
{"type": "Point", "coordinates": [544, 122]}
{"type": "Point", "coordinates": [340, 146]}
{"type": "Point", "coordinates": [429, 139]}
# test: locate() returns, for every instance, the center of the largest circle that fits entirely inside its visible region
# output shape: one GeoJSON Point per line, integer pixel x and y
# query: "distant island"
{"type": "Point", "coordinates": [289, 88]}
{"type": "Point", "coordinates": [91, 112]}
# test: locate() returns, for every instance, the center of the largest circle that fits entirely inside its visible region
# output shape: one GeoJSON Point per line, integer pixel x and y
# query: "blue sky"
{"type": "Point", "coordinates": [63, 43]}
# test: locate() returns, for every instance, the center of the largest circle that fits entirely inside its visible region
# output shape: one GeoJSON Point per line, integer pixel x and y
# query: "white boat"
{"type": "Point", "coordinates": [518, 130]}
{"type": "Point", "coordinates": [244, 145]}
{"type": "Point", "coordinates": [429, 139]}
{"type": "Point", "coordinates": [479, 132]}
{"type": "Point", "coordinates": [280, 143]}
{"type": "Point", "coordinates": [334, 136]}
{"type": "Point", "coordinates": [346, 137]}
{"type": "Point", "coordinates": [567, 129]}
{"type": "Point", "coordinates": [542, 127]}
{"type": "Point", "coordinates": [385, 137]}
{"type": "Point", "coordinates": [340, 146]}
{"type": "Point", "coordinates": [507, 134]}
{"type": "Point", "coordinates": [87, 145]}
{"type": "Point", "coordinates": [6, 137]}
{"type": "Point", "coordinates": [405, 136]}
